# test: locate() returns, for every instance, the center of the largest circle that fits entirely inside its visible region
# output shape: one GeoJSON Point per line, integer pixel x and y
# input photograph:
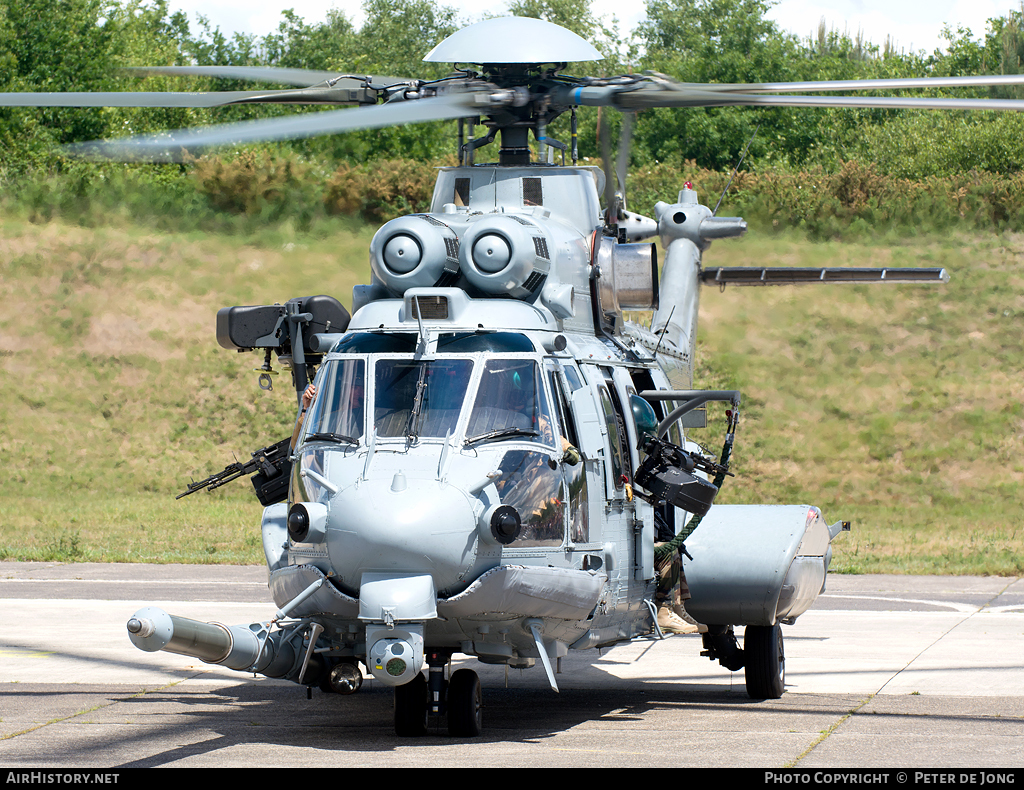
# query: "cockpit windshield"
{"type": "Point", "coordinates": [424, 398]}
{"type": "Point", "coordinates": [510, 401]}
{"type": "Point", "coordinates": [419, 398]}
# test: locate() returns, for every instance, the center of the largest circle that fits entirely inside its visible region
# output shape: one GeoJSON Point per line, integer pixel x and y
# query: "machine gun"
{"type": "Point", "coordinates": [272, 468]}
{"type": "Point", "coordinates": [667, 472]}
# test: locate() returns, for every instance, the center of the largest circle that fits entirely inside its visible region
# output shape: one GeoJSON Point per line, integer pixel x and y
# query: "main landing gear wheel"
{"type": "Point", "coordinates": [411, 708]}
{"type": "Point", "coordinates": [765, 667]}
{"type": "Point", "coordinates": [465, 704]}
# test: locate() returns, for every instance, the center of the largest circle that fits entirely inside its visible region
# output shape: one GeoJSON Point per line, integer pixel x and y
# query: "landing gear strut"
{"type": "Point", "coordinates": [762, 657]}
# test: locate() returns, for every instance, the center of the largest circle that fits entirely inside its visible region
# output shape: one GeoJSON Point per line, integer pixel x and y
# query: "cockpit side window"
{"type": "Point", "coordinates": [565, 416]}
{"type": "Point", "coordinates": [615, 443]}
{"type": "Point", "coordinates": [340, 403]}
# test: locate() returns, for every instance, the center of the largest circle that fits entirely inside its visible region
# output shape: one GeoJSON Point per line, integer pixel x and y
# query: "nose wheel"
{"type": "Point", "coordinates": [411, 708]}
{"type": "Point", "coordinates": [765, 661]}
{"type": "Point", "coordinates": [463, 704]}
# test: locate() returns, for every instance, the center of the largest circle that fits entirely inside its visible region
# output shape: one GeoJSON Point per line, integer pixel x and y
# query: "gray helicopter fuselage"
{"type": "Point", "coordinates": [412, 503]}
{"type": "Point", "coordinates": [406, 510]}
{"type": "Point", "coordinates": [403, 508]}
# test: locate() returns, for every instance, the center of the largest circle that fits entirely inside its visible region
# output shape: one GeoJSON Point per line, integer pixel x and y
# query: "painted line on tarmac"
{"type": "Point", "coordinates": [964, 608]}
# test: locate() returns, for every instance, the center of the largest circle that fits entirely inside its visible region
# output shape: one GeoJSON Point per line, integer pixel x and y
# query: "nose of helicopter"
{"type": "Point", "coordinates": [402, 525]}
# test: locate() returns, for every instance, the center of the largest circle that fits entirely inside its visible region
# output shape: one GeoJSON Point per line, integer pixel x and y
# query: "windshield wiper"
{"type": "Point", "coordinates": [417, 405]}
{"type": "Point", "coordinates": [332, 437]}
{"type": "Point", "coordinates": [501, 433]}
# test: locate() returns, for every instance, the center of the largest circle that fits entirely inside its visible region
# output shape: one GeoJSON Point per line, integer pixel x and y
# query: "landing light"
{"type": "Point", "coordinates": [298, 523]}
{"type": "Point", "coordinates": [506, 524]}
{"type": "Point", "coordinates": [307, 522]}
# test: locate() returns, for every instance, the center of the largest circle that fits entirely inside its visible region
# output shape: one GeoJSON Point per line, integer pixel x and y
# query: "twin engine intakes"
{"type": "Point", "coordinates": [501, 254]}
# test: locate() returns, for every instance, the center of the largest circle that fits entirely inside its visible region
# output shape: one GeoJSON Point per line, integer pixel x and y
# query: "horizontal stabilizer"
{"type": "Point", "coordinates": [782, 275]}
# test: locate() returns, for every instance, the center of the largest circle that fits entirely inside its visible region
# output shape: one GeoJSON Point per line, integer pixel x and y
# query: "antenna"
{"type": "Point", "coordinates": [664, 329]}
{"type": "Point", "coordinates": [736, 169]}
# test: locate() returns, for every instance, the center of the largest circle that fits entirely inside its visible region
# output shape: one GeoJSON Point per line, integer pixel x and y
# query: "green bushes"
{"type": "Point", "coordinates": [264, 186]}
{"type": "Point", "coordinates": [854, 199]}
{"type": "Point", "coordinates": [259, 183]}
{"type": "Point", "coordinates": [381, 190]}
{"type": "Point", "coordinates": [274, 186]}
{"type": "Point", "coordinates": [858, 198]}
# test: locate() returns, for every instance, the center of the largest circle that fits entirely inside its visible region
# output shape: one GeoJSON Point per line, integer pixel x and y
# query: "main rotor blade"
{"type": "Point", "coordinates": [901, 83]}
{"type": "Point", "coordinates": [284, 76]}
{"type": "Point", "coordinates": [661, 94]}
{"type": "Point", "coordinates": [324, 95]}
{"type": "Point", "coordinates": [660, 91]}
{"type": "Point", "coordinates": [173, 146]}
{"type": "Point", "coordinates": [638, 100]}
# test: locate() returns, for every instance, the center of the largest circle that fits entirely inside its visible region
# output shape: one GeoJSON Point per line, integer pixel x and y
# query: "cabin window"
{"type": "Point", "coordinates": [573, 378]}
{"type": "Point", "coordinates": [611, 422]}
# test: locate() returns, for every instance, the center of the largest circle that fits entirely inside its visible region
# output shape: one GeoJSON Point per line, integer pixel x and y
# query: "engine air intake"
{"type": "Point", "coordinates": [418, 251]}
{"type": "Point", "coordinates": [505, 255]}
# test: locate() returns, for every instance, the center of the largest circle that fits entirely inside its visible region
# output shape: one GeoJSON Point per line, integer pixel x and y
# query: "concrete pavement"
{"type": "Point", "coordinates": [884, 671]}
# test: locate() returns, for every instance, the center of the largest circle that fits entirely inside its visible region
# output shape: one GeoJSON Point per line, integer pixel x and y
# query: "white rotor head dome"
{"type": "Point", "coordinates": [513, 39]}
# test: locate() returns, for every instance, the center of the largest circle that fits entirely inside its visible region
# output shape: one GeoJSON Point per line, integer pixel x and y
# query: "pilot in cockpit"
{"type": "Point", "coordinates": [522, 400]}
{"type": "Point", "coordinates": [343, 418]}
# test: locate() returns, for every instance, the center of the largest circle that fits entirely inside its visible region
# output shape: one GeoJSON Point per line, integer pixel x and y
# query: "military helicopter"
{"type": "Point", "coordinates": [492, 447]}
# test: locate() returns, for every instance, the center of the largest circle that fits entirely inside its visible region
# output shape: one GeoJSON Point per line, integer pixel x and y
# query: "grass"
{"type": "Point", "coordinates": [897, 407]}
{"type": "Point", "coordinates": [114, 393]}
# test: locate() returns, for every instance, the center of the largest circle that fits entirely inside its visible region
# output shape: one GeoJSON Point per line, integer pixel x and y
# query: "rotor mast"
{"type": "Point", "coordinates": [532, 87]}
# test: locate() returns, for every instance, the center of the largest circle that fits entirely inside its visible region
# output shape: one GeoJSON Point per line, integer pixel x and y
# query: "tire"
{"type": "Point", "coordinates": [411, 708]}
{"type": "Point", "coordinates": [465, 704]}
{"type": "Point", "coordinates": [765, 656]}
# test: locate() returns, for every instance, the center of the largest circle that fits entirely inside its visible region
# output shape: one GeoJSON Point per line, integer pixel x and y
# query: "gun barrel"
{"type": "Point", "coordinates": [232, 472]}
{"type": "Point", "coordinates": [270, 461]}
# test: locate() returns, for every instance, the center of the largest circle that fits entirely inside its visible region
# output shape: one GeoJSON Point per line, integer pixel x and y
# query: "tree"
{"type": "Point", "coordinates": [39, 55]}
{"type": "Point", "coordinates": [713, 41]}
